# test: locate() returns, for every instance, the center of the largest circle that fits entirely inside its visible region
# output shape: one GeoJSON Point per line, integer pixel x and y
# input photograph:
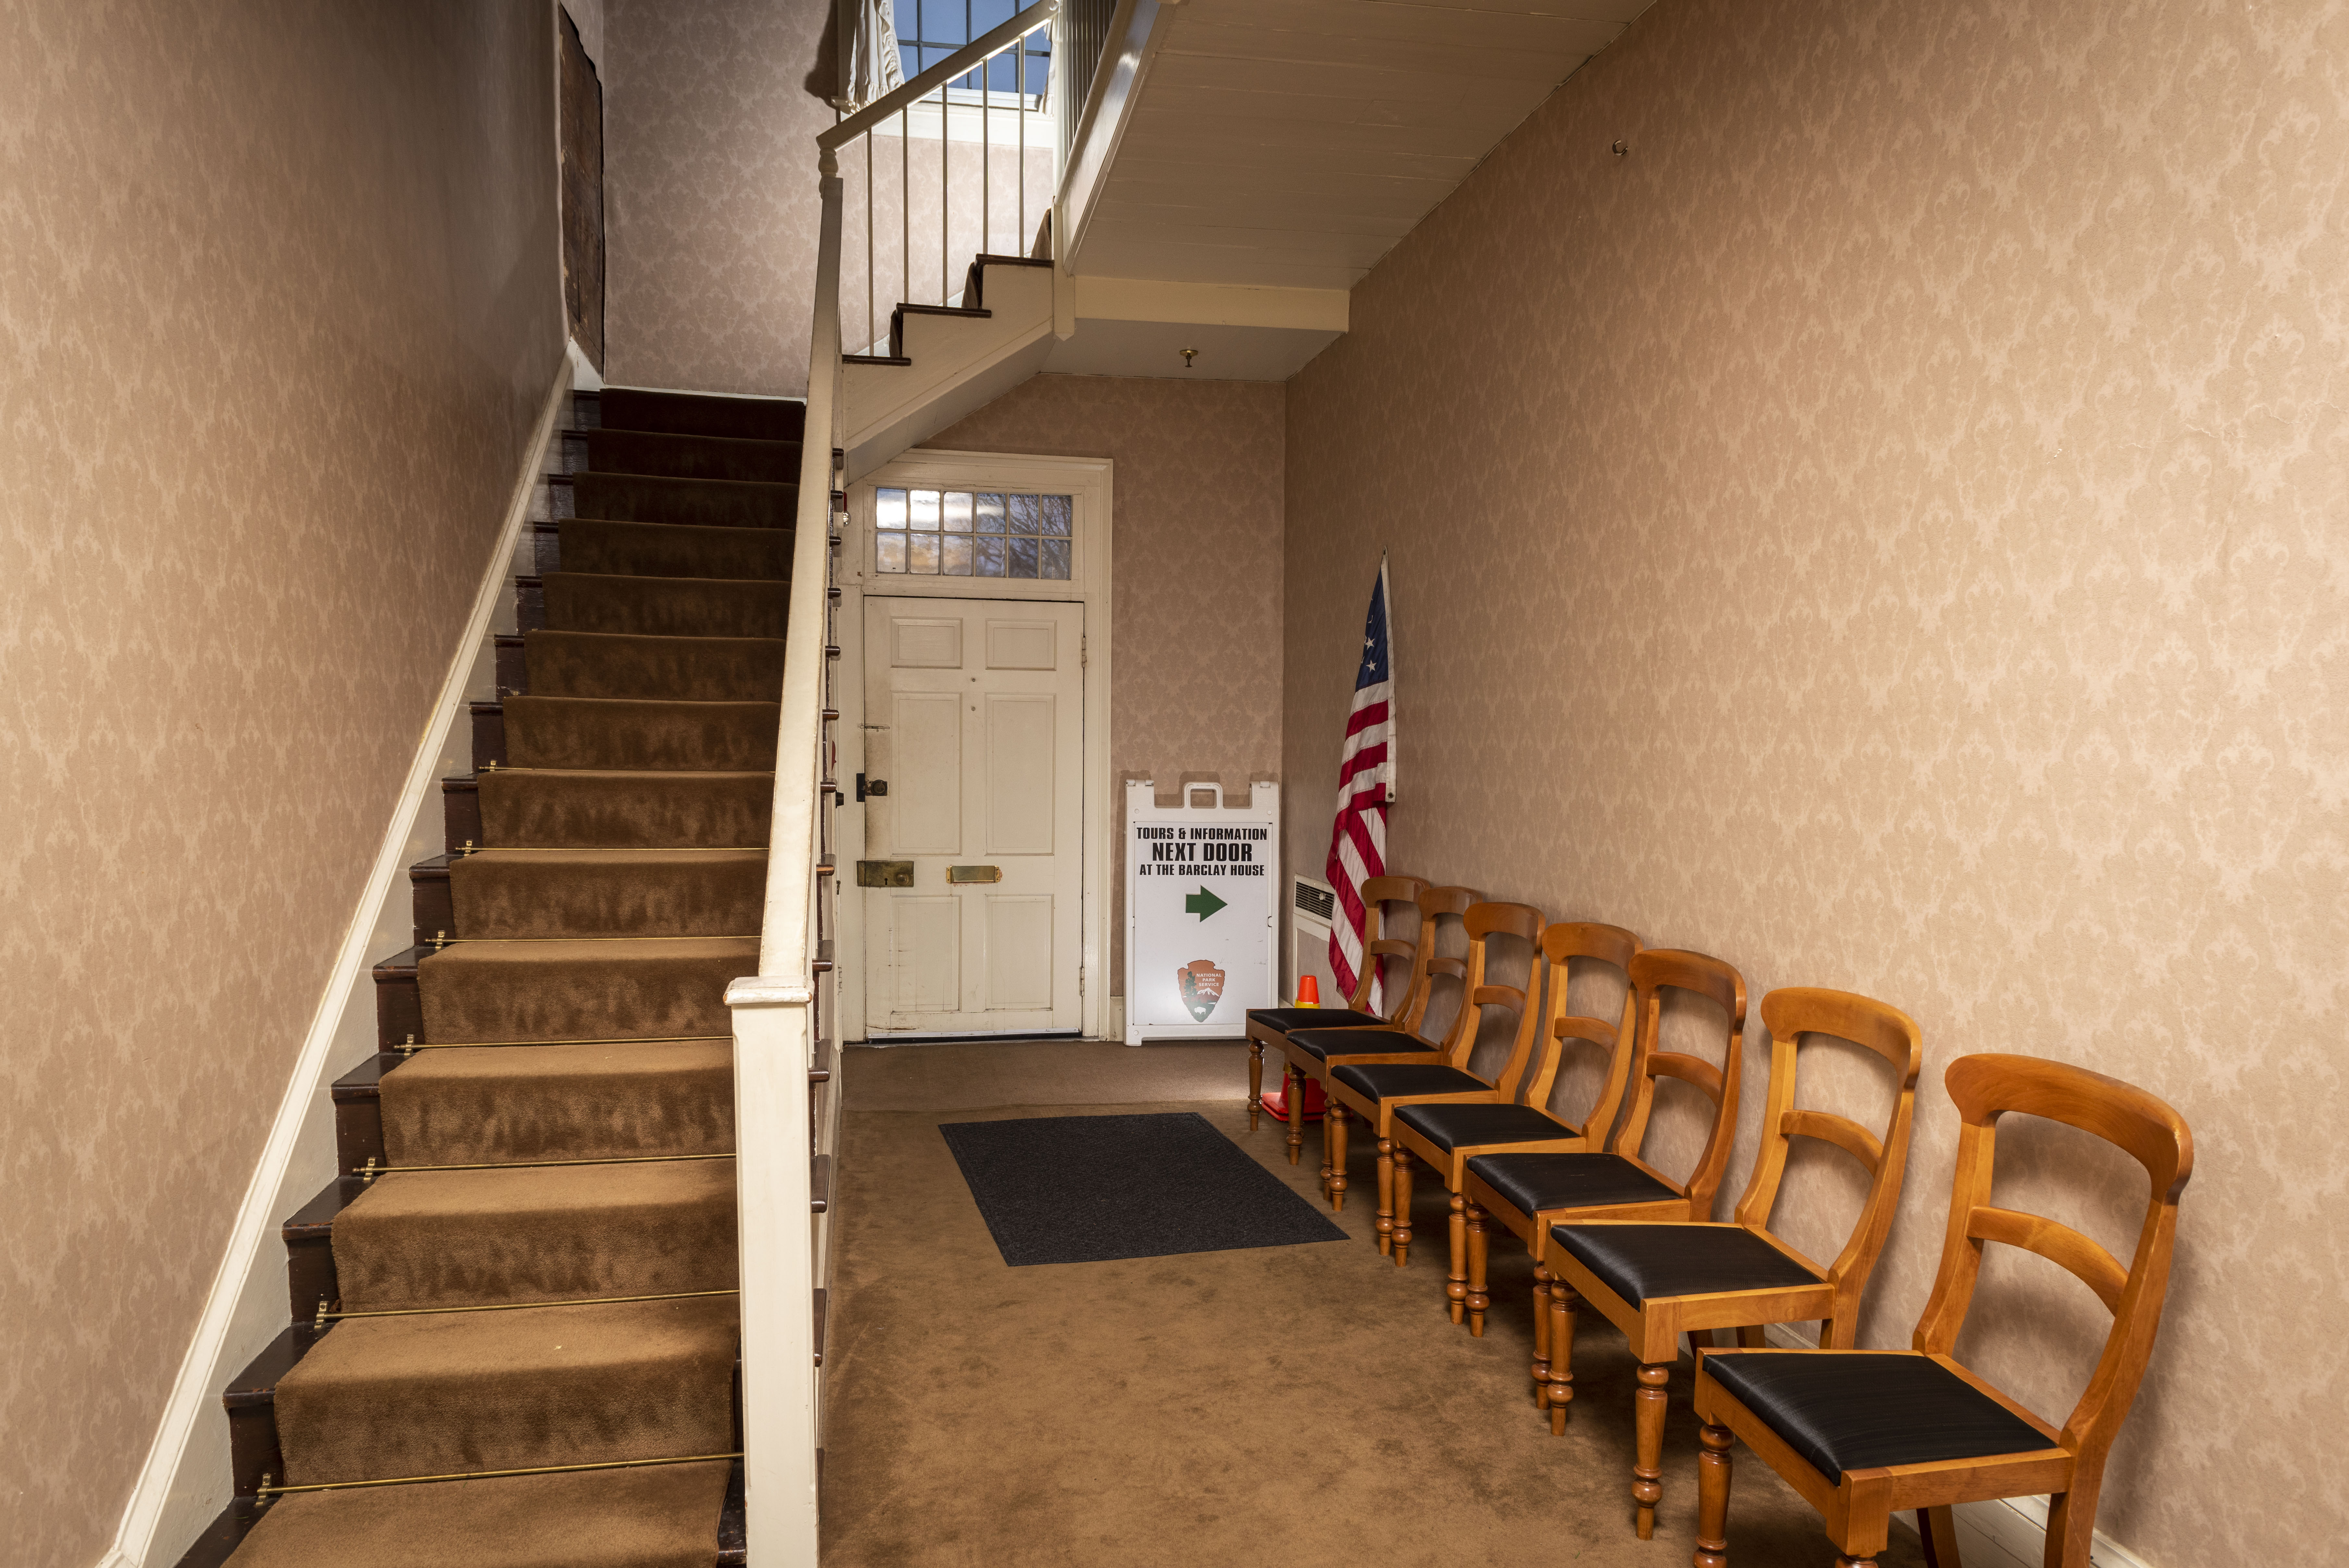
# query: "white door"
{"type": "Point", "coordinates": [974, 742]}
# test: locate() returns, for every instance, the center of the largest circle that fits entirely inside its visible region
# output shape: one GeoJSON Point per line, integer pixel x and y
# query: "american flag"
{"type": "Point", "coordinates": [1358, 838]}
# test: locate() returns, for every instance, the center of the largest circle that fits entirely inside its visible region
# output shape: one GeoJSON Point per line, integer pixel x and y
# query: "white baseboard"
{"type": "Point", "coordinates": [2010, 1533]}
{"type": "Point", "coordinates": [185, 1480]}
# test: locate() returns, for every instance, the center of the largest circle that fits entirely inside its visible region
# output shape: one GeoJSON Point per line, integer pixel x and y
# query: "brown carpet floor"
{"type": "Point", "coordinates": [1291, 1406]}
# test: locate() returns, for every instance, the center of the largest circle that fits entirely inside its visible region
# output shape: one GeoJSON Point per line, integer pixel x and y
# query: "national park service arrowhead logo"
{"type": "Point", "coordinates": [1202, 987]}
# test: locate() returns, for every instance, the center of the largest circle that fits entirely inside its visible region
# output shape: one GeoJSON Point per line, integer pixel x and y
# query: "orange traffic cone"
{"type": "Point", "coordinates": [1276, 1101]}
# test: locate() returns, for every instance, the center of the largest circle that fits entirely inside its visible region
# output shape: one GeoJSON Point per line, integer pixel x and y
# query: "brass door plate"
{"type": "Point", "coordinates": [957, 875]}
{"type": "Point", "coordinates": [884, 873]}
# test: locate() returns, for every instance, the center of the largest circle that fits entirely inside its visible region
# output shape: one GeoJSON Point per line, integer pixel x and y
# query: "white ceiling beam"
{"type": "Point", "coordinates": [1211, 304]}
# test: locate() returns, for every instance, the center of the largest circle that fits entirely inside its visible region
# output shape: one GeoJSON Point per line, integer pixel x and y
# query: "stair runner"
{"type": "Point", "coordinates": [560, 1148]}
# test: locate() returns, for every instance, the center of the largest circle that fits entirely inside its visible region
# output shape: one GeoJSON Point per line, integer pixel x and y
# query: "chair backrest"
{"type": "Point", "coordinates": [1987, 1087]}
{"type": "Point", "coordinates": [1793, 1013]}
{"type": "Point", "coordinates": [1549, 1028]}
{"type": "Point", "coordinates": [1438, 907]}
{"type": "Point", "coordinates": [1655, 971]}
{"type": "Point", "coordinates": [1485, 924]}
{"type": "Point", "coordinates": [1377, 893]}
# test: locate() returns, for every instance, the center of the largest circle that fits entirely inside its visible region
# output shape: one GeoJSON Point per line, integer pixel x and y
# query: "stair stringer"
{"type": "Point", "coordinates": [959, 364]}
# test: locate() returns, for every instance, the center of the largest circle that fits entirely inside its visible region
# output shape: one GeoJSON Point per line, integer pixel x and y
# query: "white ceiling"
{"type": "Point", "coordinates": [1290, 143]}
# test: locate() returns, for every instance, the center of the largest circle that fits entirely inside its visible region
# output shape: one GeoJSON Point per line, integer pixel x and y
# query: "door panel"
{"type": "Point", "coordinates": [1019, 775]}
{"type": "Point", "coordinates": [925, 936]}
{"type": "Point", "coordinates": [925, 781]}
{"type": "Point", "coordinates": [1019, 950]}
{"type": "Point", "coordinates": [974, 720]}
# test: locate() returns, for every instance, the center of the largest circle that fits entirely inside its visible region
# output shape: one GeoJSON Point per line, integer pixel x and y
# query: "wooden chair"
{"type": "Point", "coordinates": [1308, 1054]}
{"type": "Point", "coordinates": [1272, 1025]}
{"type": "Point", "coordinates": [1863, 1434]}
{"type": "Point", "coordinates": [1448, 1134]}
{"type": "Point", "coordinates": [1658, 1282]}
{"type": "Point", "coordinates": [1531, 1192]}
{"type": "Point", "coordinates": [1373, 1089]}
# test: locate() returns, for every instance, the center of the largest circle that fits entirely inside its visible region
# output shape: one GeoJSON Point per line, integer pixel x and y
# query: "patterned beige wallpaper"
{"type": "Point", "coordinates": [1891, 529]}
{"type": "Point", "coordinates": [280, 308]}
{"type": "Point", "coordinates": [1195, 610]}
{"type": "Point", "coordinates": [711, 109]}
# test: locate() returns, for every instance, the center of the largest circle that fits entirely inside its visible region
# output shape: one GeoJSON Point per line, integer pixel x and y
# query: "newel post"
{"type": "Point", "coordinates": [774, 1140]}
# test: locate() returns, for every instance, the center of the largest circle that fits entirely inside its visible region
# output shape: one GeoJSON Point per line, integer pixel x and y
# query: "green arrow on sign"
{"type": "Point", "coordinates": [1200, 903]}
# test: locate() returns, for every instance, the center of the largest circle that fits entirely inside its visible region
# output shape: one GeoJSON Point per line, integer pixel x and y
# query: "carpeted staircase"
{"type": "Point", "coordinates": [532, 1263]}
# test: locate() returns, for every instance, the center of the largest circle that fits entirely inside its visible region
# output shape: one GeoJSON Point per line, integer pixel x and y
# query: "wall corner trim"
{"type": "Point", "coordinates": [143, 1538]}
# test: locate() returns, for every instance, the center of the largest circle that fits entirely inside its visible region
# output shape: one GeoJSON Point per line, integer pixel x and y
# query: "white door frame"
{"type": "Point", "coordinates": [1089, 479]}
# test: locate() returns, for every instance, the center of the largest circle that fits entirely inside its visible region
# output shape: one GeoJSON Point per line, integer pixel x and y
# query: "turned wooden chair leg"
{"type": "Point", "coordinates": [1333, 1116]}
{"type": "Point", "coordinates": [1295, 1083]}
{"type": "Point", "coordinates": [1713, 1498]}
{"type": "Point", "coordinates": [1648, 1467]}
{"type": "Point", "coordinates": [1455, 1282]}
{"type": "Point", "coordinates": [1386, 1197]}
{"type": "Point", "coordinates": [1541, 1336]}
{"type": "Point", "coordinates": [1256, 1081]}
{"type": "Point", "coordinates": [1325, 1150]}
{"type": "Point", "coordinates": [1479, 1247]}
{"type": "Point", "coordinates": [1402, 1207]}
{"type": "Point", "coordinates": [1939, 1530]}
{"type": "Point", "coordinates": [1562, 1300]}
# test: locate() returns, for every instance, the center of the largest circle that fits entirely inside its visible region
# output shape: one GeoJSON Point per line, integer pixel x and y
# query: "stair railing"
{"type": "Point", "coordinates": [888, 199]}
{"type": "Point", "coordinates": [786, 1044]}
{"type": "Point", "coordinates": [786, 1017]}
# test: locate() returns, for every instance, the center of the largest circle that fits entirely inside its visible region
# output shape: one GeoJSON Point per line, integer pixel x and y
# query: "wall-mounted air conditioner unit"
{"type": "Point", "coordinates": [1312, 906]}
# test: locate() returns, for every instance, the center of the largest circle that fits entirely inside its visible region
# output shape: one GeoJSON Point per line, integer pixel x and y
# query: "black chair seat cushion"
{"type": "Point", "coordinates": [1859, 1409]}
{"type": "Point", "coordinates": [1323, 1044]}
{"type": "Point", "coordinates": [1533, 1182]}
{"type": "Point", "coordinates": [1642, 1263]}
{"type": "Point", "coordinates": [1451, 1126]}
{"type": "Point", "coordinates": [1384, 1080]}
{"type": "Point", "coordinates": [1285, 1019]}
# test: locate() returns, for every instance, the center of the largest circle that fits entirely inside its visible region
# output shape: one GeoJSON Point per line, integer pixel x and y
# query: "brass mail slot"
{"type": "Point", "coordinates": [961, 874]}
{"type": "Point", "coordinates": [884, 873]}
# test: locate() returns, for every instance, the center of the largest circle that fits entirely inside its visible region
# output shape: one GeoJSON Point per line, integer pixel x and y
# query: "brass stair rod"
{"type": "Point", "coordinates": [326, 1316]}
{"type": "Point", "coordinates": [413, 1043]}
{"type": "Point", "coordinates": [370, 1170]}
{"type": "Point", "coordinates": [265, 1491]}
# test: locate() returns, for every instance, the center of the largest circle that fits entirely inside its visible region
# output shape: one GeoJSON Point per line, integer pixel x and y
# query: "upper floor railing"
{"type": "Point", "coordinates": [917, 213]}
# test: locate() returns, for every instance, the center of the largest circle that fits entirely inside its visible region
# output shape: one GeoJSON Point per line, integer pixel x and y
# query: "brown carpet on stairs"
{"type": "Point", "coordinates": [504, 1103]}
{"type": "Point", "coordinates": [549, 893]}
{"type": "Point", "coordinates": [675, 550]}
{"type": "Point", "coordinates": [665, 606]}
{"type": "Point", "coordinates": [656, 737]}
{"type": "Point", "coordinates": [698, 668]}
{"type": "Point", "coordinates": [663, 810]}
{"type": "Point", "coordinates": [1304, 1407]}
{"type": "Point", "coordinates": [713, 503]}
{"type": "Point", "coordinates": [617, 891]}
{"type": "Point", "coordinates": [441, 1393]}
{"type": "Point", "coordinates": [661, 1517]}
{"type": "Point", "coordinates": [693, 457]}
{"type": "Point", "coordinates": [584, 989]}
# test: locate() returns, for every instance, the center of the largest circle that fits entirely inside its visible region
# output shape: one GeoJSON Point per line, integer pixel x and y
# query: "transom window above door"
{"type": "Point", "coordinates": [972, 533]}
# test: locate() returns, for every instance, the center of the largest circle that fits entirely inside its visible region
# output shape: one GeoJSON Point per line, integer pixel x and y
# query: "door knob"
{"type": "Point", "coordinates": [871, 786]}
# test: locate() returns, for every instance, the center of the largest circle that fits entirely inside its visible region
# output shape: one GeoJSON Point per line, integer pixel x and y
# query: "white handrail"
{"type": "Point", "coordinates": [777, 1012]}
{"type": "Point", "coordinates": [782, 1015]}
{"type": "Point", "coordinates": [961, 63]}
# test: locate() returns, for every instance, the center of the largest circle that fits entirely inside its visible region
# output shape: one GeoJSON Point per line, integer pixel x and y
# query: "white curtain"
{"type": "Point", "coordinates": [873, 65]}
